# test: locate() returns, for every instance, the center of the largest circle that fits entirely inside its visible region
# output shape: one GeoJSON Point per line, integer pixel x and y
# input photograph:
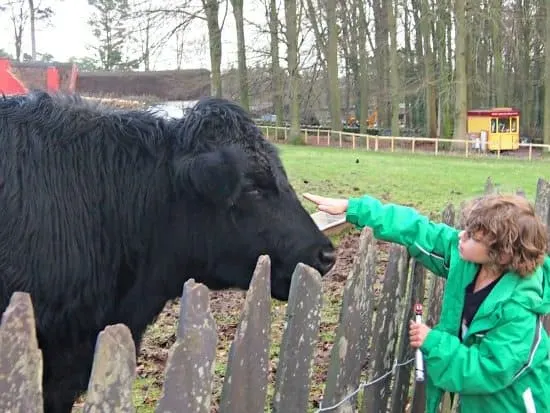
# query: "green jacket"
{"type": "Point", "coordinates": [503, 363]}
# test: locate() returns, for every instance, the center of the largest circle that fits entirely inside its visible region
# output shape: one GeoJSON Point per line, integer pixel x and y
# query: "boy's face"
{"type": "Point", "coordinates": [472, 248]}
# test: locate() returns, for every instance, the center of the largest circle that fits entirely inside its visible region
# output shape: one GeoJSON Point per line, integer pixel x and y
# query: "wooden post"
{"type": "Point", "coordinates": [246, 378]}
{"type": "Point", "coordinates": [20, 358]}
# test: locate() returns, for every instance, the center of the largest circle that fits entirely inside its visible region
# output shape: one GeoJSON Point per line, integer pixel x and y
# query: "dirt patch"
{"type": "Point", "coordinates": [226, 307]}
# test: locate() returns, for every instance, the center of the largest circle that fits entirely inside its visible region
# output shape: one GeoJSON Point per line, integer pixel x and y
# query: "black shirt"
{"type": "Point", "coordinates": [472, 302]}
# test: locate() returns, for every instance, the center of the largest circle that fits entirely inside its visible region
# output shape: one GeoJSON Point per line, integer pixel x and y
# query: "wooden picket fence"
{"type": "Point", "coordinates": [370, 368]}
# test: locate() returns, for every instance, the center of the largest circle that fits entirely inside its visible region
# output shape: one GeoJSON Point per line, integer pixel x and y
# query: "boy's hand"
{"type": "Point", "coordinates": [333, 206]}
{"type": "Point", "coordinates": [418, 333]}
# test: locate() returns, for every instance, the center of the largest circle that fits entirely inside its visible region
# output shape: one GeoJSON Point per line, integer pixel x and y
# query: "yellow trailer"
{"type": "Point", "coordinates": [497, 128]}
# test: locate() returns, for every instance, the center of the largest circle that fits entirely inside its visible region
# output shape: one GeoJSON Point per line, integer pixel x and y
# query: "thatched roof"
{"type": "Point", "coordinates": [164, 85]}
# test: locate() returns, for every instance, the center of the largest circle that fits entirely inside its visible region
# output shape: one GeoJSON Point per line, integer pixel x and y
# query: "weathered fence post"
{"type": "Point", "coordinates": [384, 332]}
{"type": "Point", "coordinates": [435, 297]}
{"type": "Point", "coordinates": [113, 372]}
{"type": "Point", "coordinates": [20, 358]}
{"type": "Point", "coordinates": [349, 352]}
{"type": "Point", "coordinates": [542, 202]}
{"type": "Point", "coordinates": [245, 384]}
{"type": "Point", "coordinates": [542, 209]}
{"type": "Point", "coordinates": [292, 383]}
{"type": "Point", "coordinates": [190, 366]}
{"type": "Point", "coordinates": [415, 294]}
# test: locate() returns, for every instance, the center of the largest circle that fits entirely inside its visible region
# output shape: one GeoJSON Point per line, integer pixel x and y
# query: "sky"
{"type": "Point", "coordinates": [69, 34]}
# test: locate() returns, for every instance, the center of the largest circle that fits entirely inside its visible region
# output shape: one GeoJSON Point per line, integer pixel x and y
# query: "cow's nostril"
{"type": "Point", "coordinates": [327, 258]}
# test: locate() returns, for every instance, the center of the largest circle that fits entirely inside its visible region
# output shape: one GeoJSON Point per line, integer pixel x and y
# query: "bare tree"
{"type": "Point", "coordinates": [546, 122]}
{"type": "Point", "coordinates": [332, 66]}
{"type": "Point", "coordinates": [291, 19]}
{"type": "Point", "coordinates": [211, 9]}
{"type": "Point", "coordinates": [461, 81]}
{"type": "Point", "coordinates": [241, 51]}
{"type": "Point", "coordinates": [19, 19]}
{"type": "Point", "coordinates": [395, 87]}
{"type": "Point", "coordinates": [277, 86]}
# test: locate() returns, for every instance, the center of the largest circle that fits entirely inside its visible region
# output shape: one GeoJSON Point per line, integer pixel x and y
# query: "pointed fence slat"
{"type": "Point", "coordinates": [542, 209]}
{"type": "Point", "coordinates": [292, 383]}
{"type": "Point", "coordinates": [349, 352]}
{"type": "Point", "coordinates": [385, 330]}
{"type": "Point", "coordinates": [113, 372]}
{"type": "Point", "coordinates": [245, 384]}
{"type": "Point", "coordinates": [542, 203]}
{"type": "Point", "coordinates": [20, 358]}
{"type": "Point", "coordinates": [190, 367]}
{"type": "Point", "coordinates": [415, 294]}
{"type": "Point", "coordinates": [437, 287]}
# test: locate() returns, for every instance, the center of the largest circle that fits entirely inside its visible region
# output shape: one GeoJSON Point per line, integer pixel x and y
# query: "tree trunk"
{"type": "Point", "coordinates": [241, 52]}
{"type": "Point", "coordinates": [33, 30]}
{"type": "Point", "coordinates": [498, 59]}
{"type": "Point", "coordinates": [332, 67]}
{"type": "Point", "coordinates": [461, 81]}
{"type": "Point", "coordinates": [430, 83]}
{"type": "Point", "coordinates": [277, 86]}
{"type": "Point", "coordinates": [546, 121]}
{"type": "Point", "coordinates": [292, 60]}
{"type": "Point", "coordinates": [525, 64]}
{"type": "Point", "coordinates": [215, 40]}
{"type": "Point", "coordinates": [395, 87]}
{"type": "Point", "coordinates": [363, 67]}
{"type": "Point", "coordinates": [382, 58]}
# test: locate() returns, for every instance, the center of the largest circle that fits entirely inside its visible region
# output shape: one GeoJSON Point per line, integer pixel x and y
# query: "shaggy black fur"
{"type": "Point", "coordinates": [105, 214]}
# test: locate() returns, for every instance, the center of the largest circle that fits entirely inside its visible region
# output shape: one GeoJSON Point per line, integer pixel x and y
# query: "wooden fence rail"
{"type": "Point", "coordinates": [376, 143]}
{"type": "Point", "coordinates": [370, 367]}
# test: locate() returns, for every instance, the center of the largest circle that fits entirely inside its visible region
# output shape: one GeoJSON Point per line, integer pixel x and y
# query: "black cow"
{"type": "Point", "coordinates": [104, 214]}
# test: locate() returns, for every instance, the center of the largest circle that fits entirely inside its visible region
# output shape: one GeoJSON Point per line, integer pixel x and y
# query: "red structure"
{"type": "Point", "coordinates": [9, 84]}
{"type": "Point", "coordinates": [18, 78]}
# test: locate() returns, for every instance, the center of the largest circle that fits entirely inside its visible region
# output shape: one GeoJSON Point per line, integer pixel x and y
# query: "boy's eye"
{"type": "Point", "coordinates": [471, 235]}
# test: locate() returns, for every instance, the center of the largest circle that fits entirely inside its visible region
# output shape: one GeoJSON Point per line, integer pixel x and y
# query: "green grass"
{"type": "Point", "coordinates": [426, 182]}
{"type": "Point", "coordinates": [145, 395]}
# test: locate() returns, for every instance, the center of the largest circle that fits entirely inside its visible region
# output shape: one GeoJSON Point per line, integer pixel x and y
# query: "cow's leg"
{"type": "Point", "coordinates": [66, 376]}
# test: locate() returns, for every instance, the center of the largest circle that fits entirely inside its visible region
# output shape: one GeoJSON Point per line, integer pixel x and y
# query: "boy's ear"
{"type": "Point", "coordinates": [215, 176]}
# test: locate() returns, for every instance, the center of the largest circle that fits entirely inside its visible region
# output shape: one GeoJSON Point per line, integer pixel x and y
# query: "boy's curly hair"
{"type": "Point", "coordinates": [509, 227]}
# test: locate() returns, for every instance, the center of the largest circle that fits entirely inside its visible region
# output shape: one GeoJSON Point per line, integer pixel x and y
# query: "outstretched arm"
{"type": "Point", "coordinates": [429, 242]}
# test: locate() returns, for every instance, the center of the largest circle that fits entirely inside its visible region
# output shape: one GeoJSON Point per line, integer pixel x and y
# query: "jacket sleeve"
{"type": "Point", "coordinates": [487, 366]}
{"type": "Point", "coordinates": [428, 242]}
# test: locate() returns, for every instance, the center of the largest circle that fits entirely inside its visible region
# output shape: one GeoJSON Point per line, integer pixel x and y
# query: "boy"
{"type": "Point", "coordinates": [489, 346]}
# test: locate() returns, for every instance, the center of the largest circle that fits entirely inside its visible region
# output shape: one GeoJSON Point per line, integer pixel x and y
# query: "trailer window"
{"type": "Point", "coordinates": [514, 124]}
{"type": "Point", "coordinates": [504, 125]}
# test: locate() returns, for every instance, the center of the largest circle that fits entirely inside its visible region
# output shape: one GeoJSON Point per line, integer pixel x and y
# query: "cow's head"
{"type": "Point", "coordinates": [239, 203]}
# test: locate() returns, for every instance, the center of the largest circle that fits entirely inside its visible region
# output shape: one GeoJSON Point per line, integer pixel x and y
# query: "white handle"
{"type": "Point", "coordinates": [419, 361]}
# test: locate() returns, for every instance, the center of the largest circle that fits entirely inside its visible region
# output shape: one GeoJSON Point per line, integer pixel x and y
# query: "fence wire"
{"type": "Point", "coordinates": [396, 365]}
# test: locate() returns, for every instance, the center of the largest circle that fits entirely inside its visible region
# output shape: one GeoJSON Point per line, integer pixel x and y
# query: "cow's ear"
{"type": "Point", "coordinates": [215, 176]}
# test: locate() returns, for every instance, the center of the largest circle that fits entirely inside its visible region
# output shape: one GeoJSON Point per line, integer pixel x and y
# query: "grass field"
{"type": "Point", "coordinates": [423, 181]}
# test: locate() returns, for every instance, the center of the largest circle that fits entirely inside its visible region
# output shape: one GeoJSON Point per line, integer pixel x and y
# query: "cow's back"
{"type": "Point", "coordinates": [81, 189]}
